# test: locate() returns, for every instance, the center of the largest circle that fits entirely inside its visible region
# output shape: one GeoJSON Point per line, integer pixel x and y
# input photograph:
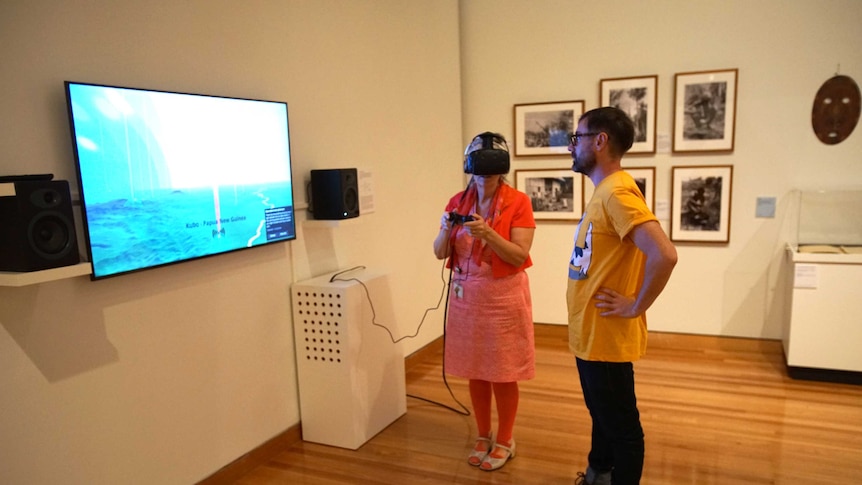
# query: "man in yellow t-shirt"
{"type": "Point", "coordinates": [621, 262]}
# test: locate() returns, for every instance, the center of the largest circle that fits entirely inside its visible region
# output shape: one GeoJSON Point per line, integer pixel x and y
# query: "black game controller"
{"type": "Point", "coordinates": [457, 218]}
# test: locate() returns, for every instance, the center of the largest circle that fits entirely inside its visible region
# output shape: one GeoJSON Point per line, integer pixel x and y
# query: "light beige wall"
{"type": "Point", "coordinates": [167, 375]}
{"type": "Point", "coordinates": [554, 50]}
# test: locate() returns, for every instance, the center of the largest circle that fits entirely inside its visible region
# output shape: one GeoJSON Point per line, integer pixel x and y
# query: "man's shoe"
{"type": "Point", "coordinates": [591, 477]}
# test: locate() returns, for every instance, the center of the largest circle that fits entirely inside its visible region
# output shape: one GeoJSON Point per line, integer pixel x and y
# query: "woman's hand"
{"type": "Point", "coordinates": [514, 251]}
{"type": "Point", "coordinates": [445, 223]}
{"type": "Point", "coordinates": [478, 228]}
{"type": "Point", "coordinates": [441, 242]}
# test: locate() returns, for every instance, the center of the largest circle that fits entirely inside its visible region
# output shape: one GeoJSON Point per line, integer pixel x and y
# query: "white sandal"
{"type": "Point", "coordinates": [496, 463]}
{"type": "Point", "coordinates": [480, 455]}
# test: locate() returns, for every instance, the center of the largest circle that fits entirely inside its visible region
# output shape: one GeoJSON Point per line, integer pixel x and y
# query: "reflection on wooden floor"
{"type": "Point", "coordinates": [714, 410]}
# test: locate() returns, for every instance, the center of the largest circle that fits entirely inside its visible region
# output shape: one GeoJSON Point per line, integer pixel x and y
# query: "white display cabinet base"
{"type": "Point", "coordinates": [824, 330]}
{"type": "Point", "coordinates": [351, 374]}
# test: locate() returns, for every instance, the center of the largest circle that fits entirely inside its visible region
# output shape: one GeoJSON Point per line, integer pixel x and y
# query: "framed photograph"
{"type": "Point", "coordinates": [644, 177]}
{"type": "Point", "coordinates": [704, 118]}
{"type": "Point", "coordinates": [544, 128]}
{"type": "Point", "coordinates": [637, 97]}
{"type": "Point", "coordinates": [556, 194]}
{"type": "Point", "coordinates": [700, 203]}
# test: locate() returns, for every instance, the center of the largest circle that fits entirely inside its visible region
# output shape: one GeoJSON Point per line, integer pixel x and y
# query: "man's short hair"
{"type": "Point", "coordinates": [616, 123]}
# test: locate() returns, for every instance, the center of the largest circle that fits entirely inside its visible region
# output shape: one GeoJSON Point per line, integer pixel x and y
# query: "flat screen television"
{"type": "Point", "coordinates": [166, 177]}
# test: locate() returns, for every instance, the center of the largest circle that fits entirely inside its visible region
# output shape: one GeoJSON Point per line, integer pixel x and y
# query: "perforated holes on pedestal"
{"type": "Point", "coordinates": [321, 318]}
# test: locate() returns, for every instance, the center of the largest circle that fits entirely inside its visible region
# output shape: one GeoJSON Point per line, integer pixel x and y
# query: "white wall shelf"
{"type": "Point", "coordinates": [44, 276]}
{"type": "Point", "coordinates": [325, 223]}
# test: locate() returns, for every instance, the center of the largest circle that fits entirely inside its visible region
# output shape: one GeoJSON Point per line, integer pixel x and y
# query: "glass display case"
{"type": "Point", "coordinates": [829, 221]}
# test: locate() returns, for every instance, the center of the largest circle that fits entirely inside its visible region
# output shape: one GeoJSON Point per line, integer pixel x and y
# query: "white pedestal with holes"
{"type": "Point", "coordinates": [351, 374]}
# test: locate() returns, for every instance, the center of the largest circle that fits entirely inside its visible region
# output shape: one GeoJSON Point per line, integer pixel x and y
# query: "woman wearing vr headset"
{"type": "Point", "coordinates": [486, 232]}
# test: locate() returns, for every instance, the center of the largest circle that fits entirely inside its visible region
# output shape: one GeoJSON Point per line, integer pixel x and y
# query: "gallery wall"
{"type": "Point", "coordinates": [517, 52]}
{"type": "Point", "coordinates": [167, 375]}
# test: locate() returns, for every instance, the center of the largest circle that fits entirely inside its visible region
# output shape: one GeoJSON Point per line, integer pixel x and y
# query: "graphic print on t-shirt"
{"type": "Point", "coordinates": [582, 254]}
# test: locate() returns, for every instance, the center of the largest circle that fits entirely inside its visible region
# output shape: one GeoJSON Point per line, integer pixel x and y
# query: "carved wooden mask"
{"type": "Point", "coordinates": [836, 110]}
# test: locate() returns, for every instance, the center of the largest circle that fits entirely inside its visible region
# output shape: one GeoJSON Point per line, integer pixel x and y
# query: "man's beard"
{"type": "Point", "coordinates": [584, 164]}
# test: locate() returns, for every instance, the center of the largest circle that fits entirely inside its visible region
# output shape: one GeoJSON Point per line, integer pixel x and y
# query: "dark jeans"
{"type": "Point", "coordinates": [618, 439]}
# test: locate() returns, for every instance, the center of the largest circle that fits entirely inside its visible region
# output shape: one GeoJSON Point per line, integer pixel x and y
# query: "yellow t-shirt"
{"type": "Point", "coordinates": [604, 257]}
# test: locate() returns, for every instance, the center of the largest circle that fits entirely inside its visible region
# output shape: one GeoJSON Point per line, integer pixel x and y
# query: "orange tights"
{"type": "Point", "coordinates": [506, 394]}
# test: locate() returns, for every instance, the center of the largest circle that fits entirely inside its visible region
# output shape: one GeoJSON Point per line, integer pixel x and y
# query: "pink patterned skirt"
{"type": "Point", "coordinates": [489, 330]}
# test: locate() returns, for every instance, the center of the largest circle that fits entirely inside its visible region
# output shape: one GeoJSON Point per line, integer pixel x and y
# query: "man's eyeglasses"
{"type": "Point", "coordinates": [575, 137]}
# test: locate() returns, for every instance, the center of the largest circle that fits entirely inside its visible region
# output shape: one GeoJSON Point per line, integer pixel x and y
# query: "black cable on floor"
{"type": "Point", "coordinates": [464, 411]}
{"type": "Point", "coordinates": [446, 284]}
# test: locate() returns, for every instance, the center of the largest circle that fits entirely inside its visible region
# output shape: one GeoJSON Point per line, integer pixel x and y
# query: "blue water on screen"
{"type": "Point", "coordinates": [176, 225]}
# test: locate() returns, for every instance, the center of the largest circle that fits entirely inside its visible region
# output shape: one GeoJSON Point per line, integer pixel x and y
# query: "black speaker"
{"type": "Point", "coordinates": [37, 228]}
{"type": "Point", "coordinates": [334, 194]}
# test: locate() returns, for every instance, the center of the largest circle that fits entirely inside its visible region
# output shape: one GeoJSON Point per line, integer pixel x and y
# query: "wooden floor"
{"type": "Point", "coordinates": [714, 411]}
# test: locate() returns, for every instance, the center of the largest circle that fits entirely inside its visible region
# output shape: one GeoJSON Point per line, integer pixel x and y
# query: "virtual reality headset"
{"type": "Point", "coordinates": [487, 154]}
